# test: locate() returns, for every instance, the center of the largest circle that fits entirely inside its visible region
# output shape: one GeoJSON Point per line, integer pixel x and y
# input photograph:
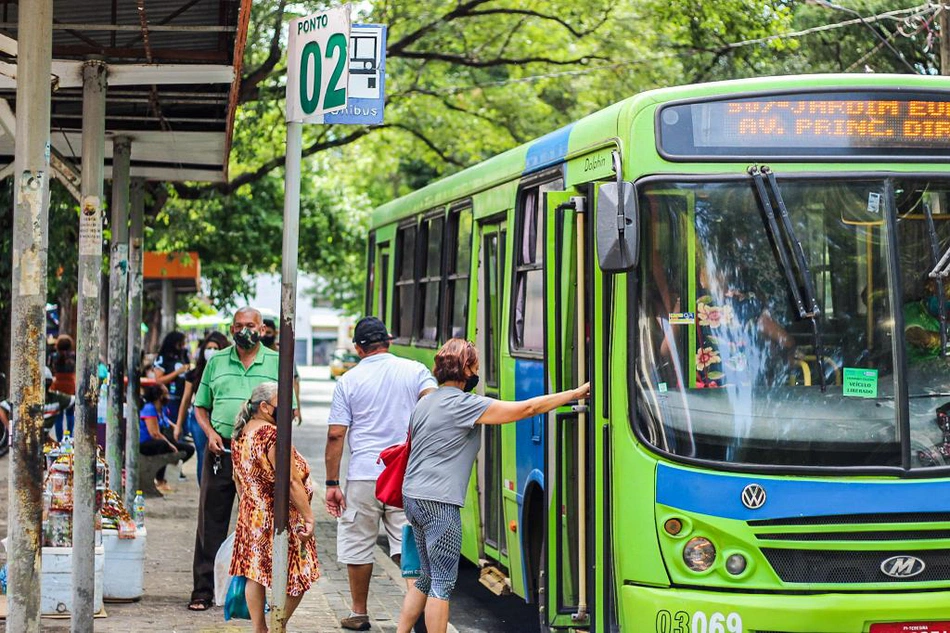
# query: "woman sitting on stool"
{"type": "Point", "coordinates": [156, 431]}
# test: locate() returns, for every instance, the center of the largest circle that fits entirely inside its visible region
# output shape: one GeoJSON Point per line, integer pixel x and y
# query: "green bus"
{"type": "Point", "coordinates": [748, 273]}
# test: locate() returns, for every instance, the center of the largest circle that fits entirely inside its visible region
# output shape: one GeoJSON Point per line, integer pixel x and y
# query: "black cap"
{"type": "Point", "coordinates": [270, 322]}
{"type": "Point", "coordinates": [370, 330]}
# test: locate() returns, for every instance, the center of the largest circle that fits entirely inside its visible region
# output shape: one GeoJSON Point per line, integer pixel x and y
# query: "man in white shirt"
{"type": "Point", "coordinates": [371, 404]}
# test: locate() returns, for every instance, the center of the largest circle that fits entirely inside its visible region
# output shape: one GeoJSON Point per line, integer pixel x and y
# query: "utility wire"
{"type": "Point", "coordinates": [837, 7]}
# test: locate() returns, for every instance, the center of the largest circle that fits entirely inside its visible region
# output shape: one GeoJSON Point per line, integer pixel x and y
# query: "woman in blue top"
{"type": "Point", "coordinates": [156, 431]}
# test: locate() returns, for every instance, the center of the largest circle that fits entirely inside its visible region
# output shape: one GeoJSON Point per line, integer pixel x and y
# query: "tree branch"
{"type": "Point", "coordinates": [252, 79]}
{"type": "Point", "coordinates": [192, 192]}
{"type": "Point", "coordinates": [498, 61]}
{"type": "Point", "coordinates": [537, 14]}
{"type": "Point", "coordinates": [395, 48]}
{"type": "Point", "coordinates": [419, 135]}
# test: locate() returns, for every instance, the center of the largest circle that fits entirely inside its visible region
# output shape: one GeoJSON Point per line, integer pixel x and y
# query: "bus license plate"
{"type": "Point", "coordinates": [911, 627]}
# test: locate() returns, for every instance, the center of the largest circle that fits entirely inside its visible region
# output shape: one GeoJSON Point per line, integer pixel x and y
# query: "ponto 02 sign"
{"type": "Point", "coordinates": [318, 65]}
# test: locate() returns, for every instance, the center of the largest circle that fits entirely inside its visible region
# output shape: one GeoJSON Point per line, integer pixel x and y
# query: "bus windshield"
{"type": "Point", "coordinates": [729, 371]}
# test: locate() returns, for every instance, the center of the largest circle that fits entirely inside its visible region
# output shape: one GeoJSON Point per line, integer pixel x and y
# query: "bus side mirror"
{"type": "Point", "coordinates": [618, 239]}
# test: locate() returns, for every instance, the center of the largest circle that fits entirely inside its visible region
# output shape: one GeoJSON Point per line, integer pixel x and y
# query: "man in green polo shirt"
{"type": "Point", "coordinates": [226, 384]}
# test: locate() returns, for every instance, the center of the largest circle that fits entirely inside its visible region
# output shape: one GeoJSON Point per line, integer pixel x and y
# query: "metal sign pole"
{"type": "Point", "coordinates": [118, 308]}
{"type": "Point", "coordinates": [28, 315]}
{"type": "Point", "coordinates": [134, 348]}
{"type": "Point", "coordinates": [87, 346]}
{"type": "Point", "coordinates": [285, 389]}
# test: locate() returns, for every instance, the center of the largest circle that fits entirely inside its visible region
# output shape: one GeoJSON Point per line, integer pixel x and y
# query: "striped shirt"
{"type": "Point", "coordinates": [226, 385]}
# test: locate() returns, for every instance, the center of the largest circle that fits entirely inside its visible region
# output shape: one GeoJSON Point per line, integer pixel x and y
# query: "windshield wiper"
{"type": "Point", "coordinates": [939, 272]}
{"type": "Point", "coordinates": [806, 302]}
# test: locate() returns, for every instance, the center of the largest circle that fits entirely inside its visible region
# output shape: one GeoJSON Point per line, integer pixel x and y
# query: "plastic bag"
{"type": "Point", "coordinates": [222, 570]}
{"type": "Point", "coordinates": [409, 561]}
{"type": "Point", "coordinates": [235, 605]}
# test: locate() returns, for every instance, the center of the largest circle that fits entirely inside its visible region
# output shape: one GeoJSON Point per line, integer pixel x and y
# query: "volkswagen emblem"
{"type": "Point", "coordinates": [903, 566]}
{"type": "Point", "coordinates": [753, 496]}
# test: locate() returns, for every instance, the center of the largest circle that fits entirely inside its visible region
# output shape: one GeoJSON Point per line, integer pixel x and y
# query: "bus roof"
{"type": "Point", "coordinates": [605, 124]}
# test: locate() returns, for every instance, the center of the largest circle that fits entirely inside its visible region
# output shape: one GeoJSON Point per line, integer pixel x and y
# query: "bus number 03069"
{"type": "Point", "coordinates": [680, 622]}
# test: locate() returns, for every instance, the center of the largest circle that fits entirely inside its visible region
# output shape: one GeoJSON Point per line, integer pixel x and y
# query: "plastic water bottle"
{"type": "Point", "coordinates": [103, 402]}
{"type": "Point", "coordinates": [67, 444]}
{"type": "Point", "coordinates": [138, 510]}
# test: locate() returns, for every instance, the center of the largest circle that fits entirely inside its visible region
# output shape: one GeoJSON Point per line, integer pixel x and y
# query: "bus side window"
{"type": "Point", "coordinates": [371, 281]}
{"type": "Point", "coordinates": [528, 303]}
{"type": "Point", "coordinates": [459, 261]}
{"type": "Point", "coordinates": [404, 295]}
{"type": "Point", "coordinates": [383, 284]}
{"type": "Point", "coordinates": [430, 282]}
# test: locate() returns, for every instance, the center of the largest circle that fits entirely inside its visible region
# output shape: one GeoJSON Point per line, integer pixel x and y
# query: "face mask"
{"type": "Point", "coordinates": [209, 353]}
{"type": "Point", "coordinates": [246, 338]}
{"type": "Point", "coordinates": [470, 383]}
{"type": "Point", "coordinates": [268, 341]}
{"type": "Point", "coordinates": [275, 412]}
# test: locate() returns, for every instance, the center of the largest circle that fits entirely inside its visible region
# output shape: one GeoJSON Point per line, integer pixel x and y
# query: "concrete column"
{"type": "Point", "coordinates": [169, 307]}
{"type": "Point", "coordinates": [118, 309]}
{"type": "Point", "coordinates": [87, 345]}
{"type": "Point", "coordinates": [28, 315]}
{"type": "Point", "coordinates": [134, 361]}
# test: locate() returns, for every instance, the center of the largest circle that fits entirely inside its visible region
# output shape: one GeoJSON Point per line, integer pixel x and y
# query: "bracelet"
{"type": "Point", "coordinates": [332, 483]}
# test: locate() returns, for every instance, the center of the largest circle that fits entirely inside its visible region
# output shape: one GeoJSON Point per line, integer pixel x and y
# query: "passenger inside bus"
{"type": "Point", "coordinates": [922, 325]}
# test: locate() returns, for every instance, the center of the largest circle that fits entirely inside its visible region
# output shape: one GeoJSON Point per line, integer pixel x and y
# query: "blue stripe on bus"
{"type": "Point", "coordinates": [529, 434]}
{"type": "Point", "coordinates": [720, 495]}
{"type": "Point", "coordinates": [548, 150]}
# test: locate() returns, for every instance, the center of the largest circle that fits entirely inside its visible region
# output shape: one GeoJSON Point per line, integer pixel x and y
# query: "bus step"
{"type": "Point", "coordinates": [495, 581]}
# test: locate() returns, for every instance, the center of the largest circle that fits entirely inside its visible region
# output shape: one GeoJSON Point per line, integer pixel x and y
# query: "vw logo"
{"type": "Point", "coordinates": [753, 496]}
{"type": "Point", "coordinates": [903, 566]}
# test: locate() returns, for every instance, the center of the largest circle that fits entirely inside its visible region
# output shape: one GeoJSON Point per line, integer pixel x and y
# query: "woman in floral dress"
{"type": "Point", "coordinates": [253, 453]}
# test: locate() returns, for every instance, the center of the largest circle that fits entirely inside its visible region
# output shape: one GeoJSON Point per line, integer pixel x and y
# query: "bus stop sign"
{"type": "Point", "coordinates": [318, 65]}
{"type": "Point", "coordinates": [366, 91]}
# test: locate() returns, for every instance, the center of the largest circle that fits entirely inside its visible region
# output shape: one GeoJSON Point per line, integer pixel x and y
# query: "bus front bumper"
{"type": "Point", "coordinates": [649, 609]}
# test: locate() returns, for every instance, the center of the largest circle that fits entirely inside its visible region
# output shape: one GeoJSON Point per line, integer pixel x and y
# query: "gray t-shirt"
{"type": "Point", "coordinates": [444, 444]}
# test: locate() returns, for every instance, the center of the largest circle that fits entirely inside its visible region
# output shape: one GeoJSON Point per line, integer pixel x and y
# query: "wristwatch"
{"type": "Point", "coordinates": [331, 483]}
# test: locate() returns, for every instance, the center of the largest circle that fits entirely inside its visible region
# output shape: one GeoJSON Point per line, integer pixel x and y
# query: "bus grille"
{"type": "Point", "coordinates": [851, 567]}
{"type": "Point", "coordinates": [895, 535]}
{"type": "Point", "coordinates": [857, 519]}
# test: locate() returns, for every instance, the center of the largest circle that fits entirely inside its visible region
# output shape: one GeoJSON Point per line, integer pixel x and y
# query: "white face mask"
{"type": "Point", "coordinates": [209, 353]}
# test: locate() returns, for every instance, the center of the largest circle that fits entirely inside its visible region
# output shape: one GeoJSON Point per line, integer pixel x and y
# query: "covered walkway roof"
{"type": "Point", "coordinates": [173, 80]}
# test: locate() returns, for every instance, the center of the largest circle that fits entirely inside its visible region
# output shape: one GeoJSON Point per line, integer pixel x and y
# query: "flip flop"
{"type": "Point", "coordinates": [199, 604]}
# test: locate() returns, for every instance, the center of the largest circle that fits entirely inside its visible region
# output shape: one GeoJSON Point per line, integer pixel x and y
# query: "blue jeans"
{"type": "Point", "coordinates": [201, 440]}
{"type": "Point", "coordinates": [69, 417]}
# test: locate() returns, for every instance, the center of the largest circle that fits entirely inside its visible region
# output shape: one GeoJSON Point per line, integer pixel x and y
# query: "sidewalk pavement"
{"type": "Point", "coordinates": [168, 579]}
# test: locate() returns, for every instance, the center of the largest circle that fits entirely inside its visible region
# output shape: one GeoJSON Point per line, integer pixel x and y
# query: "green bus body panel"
{"type": "Point", "coordinates": [644, 562]}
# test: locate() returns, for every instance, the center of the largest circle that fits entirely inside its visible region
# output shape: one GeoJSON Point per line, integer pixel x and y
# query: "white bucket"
{"type": "Point", "coordinates": [124, 565]}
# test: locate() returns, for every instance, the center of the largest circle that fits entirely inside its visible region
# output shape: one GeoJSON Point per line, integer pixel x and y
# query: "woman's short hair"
{"type": "Point", "coordinates": [453, 359]}
{"type": "Point", "coordinates": [152, 393]}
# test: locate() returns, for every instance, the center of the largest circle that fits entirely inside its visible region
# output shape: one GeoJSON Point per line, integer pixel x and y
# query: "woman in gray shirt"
{"type": "Point", "coordinates": [445, 440]}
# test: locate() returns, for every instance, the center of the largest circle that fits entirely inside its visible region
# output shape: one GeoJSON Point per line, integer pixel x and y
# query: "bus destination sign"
{"type": "Point", "coordinates": [816, 125]}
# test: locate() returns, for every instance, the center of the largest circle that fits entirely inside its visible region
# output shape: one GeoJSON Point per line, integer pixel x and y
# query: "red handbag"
{"type": "Point", "coordinates": [389, 483]}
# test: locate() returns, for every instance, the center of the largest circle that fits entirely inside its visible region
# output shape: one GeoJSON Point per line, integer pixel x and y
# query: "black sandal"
{"type": "Point", "coordinates": [199, 604]}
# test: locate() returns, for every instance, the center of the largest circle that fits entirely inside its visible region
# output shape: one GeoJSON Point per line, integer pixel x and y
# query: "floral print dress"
{"type": "Point", "coordinates": [254, 535]}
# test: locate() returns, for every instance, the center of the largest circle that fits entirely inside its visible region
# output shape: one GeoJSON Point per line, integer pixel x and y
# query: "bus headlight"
{"type": "Point", "coordinates": [699, 554]}
{"type": "Point", "coordinates": [736, 564]}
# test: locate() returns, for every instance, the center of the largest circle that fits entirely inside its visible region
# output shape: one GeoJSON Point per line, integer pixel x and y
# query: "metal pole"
{"type": "Point", "coordinates": [168, 307]}
{"type": "Point", "coordinates": [28, 315]}
{"type": "Point", "coordinates": [87, 345]}
{"type": "Point", "coordinates": [118, 308]}
{"type": "Point", "coordinates": [285, 389]}
{"type": "Point", "coordinates": [944, 40]}
{"type": "Point", "coordinates": [134, 362]}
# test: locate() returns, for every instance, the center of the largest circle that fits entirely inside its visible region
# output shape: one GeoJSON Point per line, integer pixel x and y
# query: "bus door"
{"type": "Point", "coordinates": [567, 595]}
{"type": "Point", "coordinates": [488, 339]}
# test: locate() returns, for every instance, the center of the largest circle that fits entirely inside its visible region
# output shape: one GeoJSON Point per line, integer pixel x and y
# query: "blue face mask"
{"type": "Point", "coordinates": [933, 305]}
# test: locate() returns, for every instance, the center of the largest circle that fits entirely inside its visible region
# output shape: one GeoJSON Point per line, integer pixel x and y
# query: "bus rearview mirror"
{"type": "Point", "coordinates": [618, 240]}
